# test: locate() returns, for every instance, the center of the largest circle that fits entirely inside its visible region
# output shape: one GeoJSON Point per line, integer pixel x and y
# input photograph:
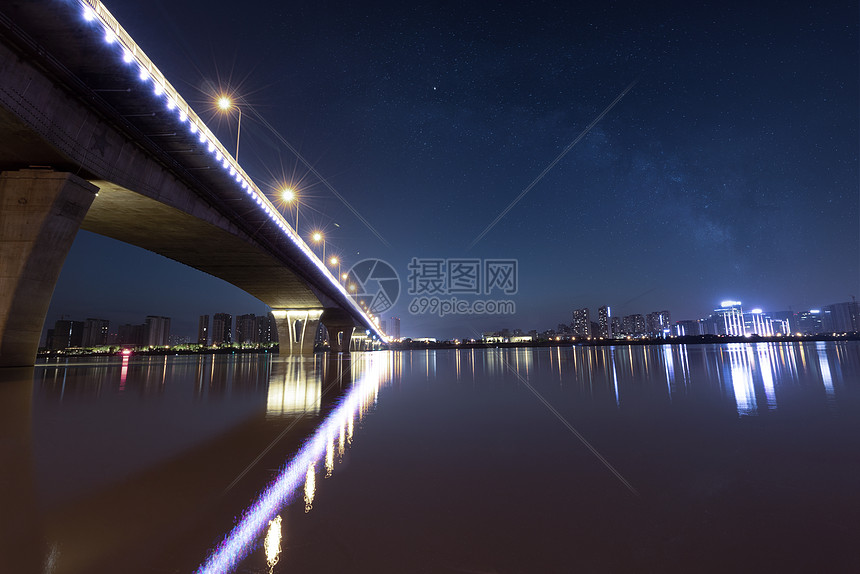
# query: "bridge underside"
{"type": "Point", "coordinates": [168, 196]}
{"type": "Point", "coordinates": [42, 211]}
{"type": "Point", "coordinates": [138, 220]}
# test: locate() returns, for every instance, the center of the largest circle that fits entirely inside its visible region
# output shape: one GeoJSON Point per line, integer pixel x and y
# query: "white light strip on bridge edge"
{"type": "Point", "coordinates": [130, 52]}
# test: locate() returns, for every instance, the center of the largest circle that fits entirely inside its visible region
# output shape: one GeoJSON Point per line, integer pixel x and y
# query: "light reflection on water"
{"type": "Point", "coordinates": [272, 544]}
{"type": "Point", "coordinates": [281, 490]}
{"type": "Point", "coordinates": [747, 383]}
{"type": "Point", "coordinates": [750, 374]}
{"type": "Point", "coordinates": [294, 388]}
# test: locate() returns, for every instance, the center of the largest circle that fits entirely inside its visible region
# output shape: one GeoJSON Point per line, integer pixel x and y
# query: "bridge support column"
{"type": "Point", "coordinates": [340, 326]}
{"type": "Point", "coordinates": [40, 214]}
{"type": "Point", "coordinates": [297, 329]}
{"type": "Point", "coordinates": [339, 336]}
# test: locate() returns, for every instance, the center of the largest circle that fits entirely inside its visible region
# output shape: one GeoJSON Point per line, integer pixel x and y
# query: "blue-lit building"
{"type": "Point", "coordinates": [728, 319]}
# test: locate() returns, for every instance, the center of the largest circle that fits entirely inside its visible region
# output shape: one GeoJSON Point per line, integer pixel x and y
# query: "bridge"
{"type": "Point", "coordinates": [94, 137]}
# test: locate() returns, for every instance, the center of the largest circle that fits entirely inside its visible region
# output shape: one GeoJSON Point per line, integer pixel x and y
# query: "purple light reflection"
{"type": "Point", "coordinates": [280, 491]}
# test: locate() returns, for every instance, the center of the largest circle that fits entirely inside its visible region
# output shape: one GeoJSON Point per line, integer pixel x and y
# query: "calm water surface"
{"type": "Point", "coordinates": [741, 457]}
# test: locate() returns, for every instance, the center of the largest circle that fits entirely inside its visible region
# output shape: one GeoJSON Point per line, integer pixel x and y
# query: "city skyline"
{"type": "Point", "coordinates": [728, 171]}
{"type": "Point", "coordinates": [580, 323]}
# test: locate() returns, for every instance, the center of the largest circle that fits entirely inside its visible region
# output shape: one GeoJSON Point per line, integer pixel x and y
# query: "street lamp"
{"type": "Point", "coordinates": [225, 104]}
{"type": "Point", "coordinates": [317, 237]}
{"type": "Point", "coordinates": [289, 196]}
{"type": "Point", "coordinates": [335, 261]}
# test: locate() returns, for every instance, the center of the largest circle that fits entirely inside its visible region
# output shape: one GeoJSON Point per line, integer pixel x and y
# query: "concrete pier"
{"type": "Point", "coordinates": [40, 214]}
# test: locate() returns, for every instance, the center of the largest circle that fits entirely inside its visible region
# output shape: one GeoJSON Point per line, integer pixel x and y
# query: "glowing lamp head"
{"type": "Point", "coordinates": [288, 195]}
{"type": "Point", "coordinates": [224, 103]}
{"type": "Point", "coordinates": [333, 261]}
{"type": "Point", "coordinates": [756, 311]}
{"type": "Point", "coordinates": [317, 236]}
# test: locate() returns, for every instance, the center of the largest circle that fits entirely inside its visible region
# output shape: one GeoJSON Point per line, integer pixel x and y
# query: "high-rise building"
{"type": "Point", "coordinates": [689, 328]}
{"type": "Point", "coordinates": [604, 325]}
{"type": "Point", "coordinates": [203, 331]}
{"type": "Point", "coordinates": [267, 331]}
{"type": "Point", "coordinates": [658, 324]}
{"type": "Point", "coordinates": [222, 329]}
{"type": "Point", "coordinates": [157, 333]}
{"type": "Point", "coordinates": [841, 317]}
{"type": "Point", "coordinates": [67, 334]}
{"type": "Point", "coordinates": [756, 322]}
{"type": "Point", "coordinates": [729, 319]}
{"type": "Point", "coordinates": [96, 332]}
{"type": "Point", "coordinates": [383, 325]}
{"type": "Point", "coordinates": [616, 326]}
{"type": "Point", "coordinates": [789, 317]}
{"type": "Point", "coordinates": [581, 323]}
{"type": "Point", "coordinates": [246, 329]}
{"type": "Point", "coordinates": [131, 335]}
{"type": "Point", "coordinates": [395, 328]}
{"type": "Point", "coordinates": [634, 325]}
{"type": "Point", "coordinates": [809, 322]}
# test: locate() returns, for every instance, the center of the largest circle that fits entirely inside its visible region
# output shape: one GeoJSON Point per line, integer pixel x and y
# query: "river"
{"type": "Point", "coordinates": [742, 457]}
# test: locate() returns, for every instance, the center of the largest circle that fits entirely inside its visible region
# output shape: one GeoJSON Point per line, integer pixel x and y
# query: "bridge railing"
{"type": "Point", "coordinates": [132, 54]}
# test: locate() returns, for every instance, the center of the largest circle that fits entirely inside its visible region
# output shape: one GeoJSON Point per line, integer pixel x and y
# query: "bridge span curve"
{"type": "Point", "coordinates": [95, 137]}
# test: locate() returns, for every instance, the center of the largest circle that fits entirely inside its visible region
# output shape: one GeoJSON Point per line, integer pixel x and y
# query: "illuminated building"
{"type": "Point", "coordinates": [809, 322]}
{"type": "Point", "coordinates": [729, 319]}
{"type": "Point", "coordinates": [246, 329]}
{"type": "Point", "coordinates": [633, 325]}
{"type": "Point", "coordinates": [581, 322]}
{"type": "Point", "coordinates": [757, 323]}
{"type": "Point", "coordinates": [658, 324]}
{"type": "Point", "coordinates": [689, 328]}
{"type": "Point", "coordinates": [222, 329]}
{"type": "Point", "coordinates": [203, 331]}
{"type": "Point", "coordinates": [395, 328]}
{"type": "Point", "coordinates": [616, 327]}
{"type": "Point", "coordinates": [265, 328]}
{"type": "Point", "coordinates": [604, 325]}
{"type": "Point", "coordinates": [66, 334]}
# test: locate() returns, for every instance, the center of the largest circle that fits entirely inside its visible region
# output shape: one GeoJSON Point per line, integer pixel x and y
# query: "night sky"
{"type": "Point", "coordinates": [728, 171]}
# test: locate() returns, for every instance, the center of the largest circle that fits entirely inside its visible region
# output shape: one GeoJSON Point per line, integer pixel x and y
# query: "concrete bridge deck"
{"type": "Point", "coordinates": [89, 140]}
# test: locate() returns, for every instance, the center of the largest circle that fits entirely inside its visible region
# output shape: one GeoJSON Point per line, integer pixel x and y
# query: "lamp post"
{"type": "Point", "coordinates": [289, 196]}
{"type": "Point", "coordinates": [225, 104]}
{"type": "Point", "coordinates": [335, 261]}
{"type": "Point", "coordinates": [318, 237]}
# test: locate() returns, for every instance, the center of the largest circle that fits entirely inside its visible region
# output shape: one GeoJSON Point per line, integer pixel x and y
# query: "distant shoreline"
{"type": "Point", "coordinates": [692, 340]}
{"type": "Point", "coordinates": [427, 345]}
